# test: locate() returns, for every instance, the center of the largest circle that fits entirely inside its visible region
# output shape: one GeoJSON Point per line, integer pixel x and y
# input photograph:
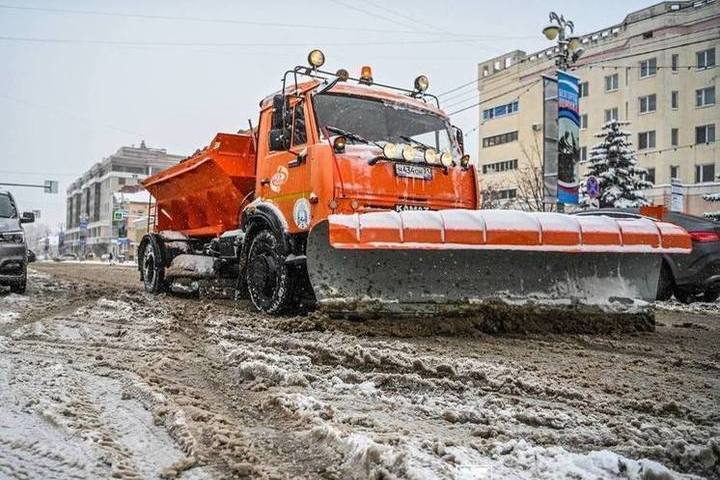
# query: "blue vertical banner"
{"type": "Point", "coordinates": [568, 137]}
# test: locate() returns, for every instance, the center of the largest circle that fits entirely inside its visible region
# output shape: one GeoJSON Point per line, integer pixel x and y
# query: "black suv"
{"type": "Point", "coordinates": [693, 277]}
{"type": "Point", "coordinates": [13, 249]}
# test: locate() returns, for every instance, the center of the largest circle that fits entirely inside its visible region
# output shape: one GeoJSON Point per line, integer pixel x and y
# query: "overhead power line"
{"type": "Point", "coordinates": [130, 43]}
{"type": "Point", "coordinates": [455, 89]}
{"type": "Point", "coordinates": [231, 21]}
{"type": "Point", "coordinates": [485, 100]}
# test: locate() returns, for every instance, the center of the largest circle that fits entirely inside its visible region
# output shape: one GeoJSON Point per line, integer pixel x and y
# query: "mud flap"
{"type": "Point", "coordinates": [417, 281]}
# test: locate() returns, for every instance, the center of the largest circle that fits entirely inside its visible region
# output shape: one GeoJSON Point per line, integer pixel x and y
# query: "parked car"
{"type": "Point", "coordinates": [694, 277]}
{"type": "Point", "coordinates": [13, 249]}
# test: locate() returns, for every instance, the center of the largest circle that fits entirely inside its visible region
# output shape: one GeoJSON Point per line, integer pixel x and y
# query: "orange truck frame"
{"type": "Point", "coordinates": [351, 192]}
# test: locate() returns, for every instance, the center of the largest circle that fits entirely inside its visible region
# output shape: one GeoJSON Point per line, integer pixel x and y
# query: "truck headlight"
{"type": "Point", "coordinates": [446, 159]}
{"type": "Point", "coordinates": [408, 153]}
{"type": "Point", "coordinates": [390, 150]}
{"type": "Point", "coordinates": [12, 237]}
{"type": "Point", "coordinates": [431, 156]}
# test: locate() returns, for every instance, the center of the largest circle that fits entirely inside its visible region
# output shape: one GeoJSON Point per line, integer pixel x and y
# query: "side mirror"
{"type": "Point", "coordinates": [279, 139]}
{"type": "Point", "coordinates": [460, 139]}
{"type": "Point", "coordinates": [31, 256]}
{"type": "Point", "coordinates": [280, 103]}
{"type": "Point", "coordinates": [27, 217]}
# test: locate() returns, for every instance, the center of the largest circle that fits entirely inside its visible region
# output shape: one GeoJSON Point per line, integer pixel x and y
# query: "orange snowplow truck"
{"type": "Point", "coordinates": [353, 196]}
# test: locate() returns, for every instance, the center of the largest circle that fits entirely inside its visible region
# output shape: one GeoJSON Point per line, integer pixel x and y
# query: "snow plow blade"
{"type": "Point", "coordinates": [447, 262]}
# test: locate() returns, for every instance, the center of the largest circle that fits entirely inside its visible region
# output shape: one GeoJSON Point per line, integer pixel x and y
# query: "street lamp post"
{"type": "Point", "coordinates": [569, 49]}
{"type": "Point", "coordinates": [568, 46]}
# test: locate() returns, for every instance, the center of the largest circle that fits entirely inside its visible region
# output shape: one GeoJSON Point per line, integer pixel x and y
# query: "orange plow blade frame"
{"type": "Point", "coordinates": [424, 262]}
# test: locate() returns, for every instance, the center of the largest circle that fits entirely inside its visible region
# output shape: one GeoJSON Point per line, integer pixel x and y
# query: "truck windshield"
{"type": "Point", "coordinates": [7, 209]}
{"type": "Point", "coordinates": [380, 121]}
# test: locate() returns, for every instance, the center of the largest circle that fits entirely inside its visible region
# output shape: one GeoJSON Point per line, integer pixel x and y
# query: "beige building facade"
{"type": "Point", "coordinates": [657, 70]}
{"type": "Point", "coordinates": [91, 199]}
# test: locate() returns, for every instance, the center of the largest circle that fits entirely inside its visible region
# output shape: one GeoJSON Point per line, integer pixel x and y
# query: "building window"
{"type": "Point", "coordinates": [674, 134]}
{"type": "Point", "coordinates": [611, 114]}
{"type": "Point", "coordinates": [486, 71]}
{"type": "Point", "coordinates": [675, 60]}
{"type": "Point", "coordinates": [612, 82]}
{"type": "Point", "coordinates": [584, 89]}
{"type": "Point", "coordinates": [705, 134]}
{"type": "Point", "coordinates": [650, 177]}
{"type": "Point", "coordinates": [584, 121]}
{"type": "Point", "coordinates": [705, 173]}
{"type": "Point", "coordinates": [121, 181]}
{"type": "Point", "coordinates": [583, 154]}
{"type": "Point", "coordinates": [501, 110]}
{"type": "Point", "coordinates": [506, 194]}
{"type": "Point", "coordinates": [705, 97]}
{"type": "Point", "coordinates": [673, 172]}
{"type": "Point", "coordinates": [646, 140]}
{"type": "Point", "coordinates": [500, 139]}
{"type": "Point", "coordinates": [648, 103]}
{"type": "Point", "coordinates": [674, 99]}
{"type": "Point", "coordinates": [706, 58]}
{"type": "Point", "coordinates": [648, 67]}
{"type": "Point", "coordinates": [500, 166]}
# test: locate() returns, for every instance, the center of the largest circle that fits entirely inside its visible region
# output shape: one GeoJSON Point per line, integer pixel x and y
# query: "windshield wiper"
{"type": "Point", "coordinates": [420, 144]}
{"type": "Point", "coordinates": [350, 135]}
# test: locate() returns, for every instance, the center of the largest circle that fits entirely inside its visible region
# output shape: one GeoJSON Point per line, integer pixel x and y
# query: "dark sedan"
{"type": "Point", "coordinates": [691, 278]}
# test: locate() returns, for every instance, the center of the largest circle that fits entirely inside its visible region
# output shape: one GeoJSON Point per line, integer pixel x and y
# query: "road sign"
{"type": "Point", "coordinates": [592, 187]}
{"type": "Point", "coordinates": [677, 200]}
{"type": "Point", "coordinates": [118, 215]}
{"type": "Point", "coordinates": [51, 186]}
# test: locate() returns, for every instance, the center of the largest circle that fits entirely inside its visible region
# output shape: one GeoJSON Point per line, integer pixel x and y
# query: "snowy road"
{"type": "Point", "coordinates": [100, 380]}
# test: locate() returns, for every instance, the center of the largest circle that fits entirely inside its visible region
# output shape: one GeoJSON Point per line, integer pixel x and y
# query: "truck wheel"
{"type": "Point", "coordinates": [665, 283]}
{"type": "Point", "coordinates": [153, 269]}
{"type": "Point", "coordinates": [270, 281]}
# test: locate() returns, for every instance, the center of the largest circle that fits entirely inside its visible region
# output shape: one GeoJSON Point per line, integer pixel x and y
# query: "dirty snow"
{"type": "Point", "coordinates": [99, 379]}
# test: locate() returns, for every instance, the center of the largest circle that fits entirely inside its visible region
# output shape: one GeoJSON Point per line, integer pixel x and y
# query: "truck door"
{"type": "Point", "coordinates": [284, 173]}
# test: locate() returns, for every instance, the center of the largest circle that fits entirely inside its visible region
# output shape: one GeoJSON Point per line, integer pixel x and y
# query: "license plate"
{"type": "Point", "coordinates": [410, 208]}
{"type": "Point", "coordinates": [413, 171]}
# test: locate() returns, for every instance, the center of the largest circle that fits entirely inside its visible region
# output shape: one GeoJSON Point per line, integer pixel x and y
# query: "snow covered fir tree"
{"type": "Point", "coordinates": [614, 164]}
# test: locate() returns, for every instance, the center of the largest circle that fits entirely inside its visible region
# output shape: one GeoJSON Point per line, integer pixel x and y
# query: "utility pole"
{"type": "Point", "coordinates": [568, 50]}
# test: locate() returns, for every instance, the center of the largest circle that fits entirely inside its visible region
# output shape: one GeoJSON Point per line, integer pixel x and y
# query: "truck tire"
{"type": "Point", "coordinates": [270, 281]}
{"type": "Point", "coordinates": [153, 267]}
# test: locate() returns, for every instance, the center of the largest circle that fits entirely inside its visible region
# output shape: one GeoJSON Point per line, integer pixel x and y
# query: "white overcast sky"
{"type": "Point", "coordinates": [70, 95]}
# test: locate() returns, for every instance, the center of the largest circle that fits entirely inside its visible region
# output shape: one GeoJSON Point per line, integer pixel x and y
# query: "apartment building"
{"type": "Point", "coordinates": [91, 201]}
{"type": "Point", "coordinates": [657, 69]}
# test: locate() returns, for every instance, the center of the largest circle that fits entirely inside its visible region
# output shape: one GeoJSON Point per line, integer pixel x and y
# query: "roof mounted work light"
{"type": "Point", "coordinates": [421, 83]}
{"type": "Point", "coordinates": [342, 75]}
{"type": "Point", "coordinates": [316, 58]}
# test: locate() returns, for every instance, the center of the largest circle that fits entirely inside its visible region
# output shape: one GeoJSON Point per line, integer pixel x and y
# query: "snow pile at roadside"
{"type": "Point", "coordinates": [697, 307]}
{"type": "Point", "coordinates": [519, 459]}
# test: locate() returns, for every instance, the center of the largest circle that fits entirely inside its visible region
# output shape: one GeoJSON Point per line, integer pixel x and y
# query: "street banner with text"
{"type": "Point", "coordinates": [568, 137]}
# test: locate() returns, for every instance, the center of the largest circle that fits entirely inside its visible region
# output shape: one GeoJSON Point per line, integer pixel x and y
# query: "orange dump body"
{"type": "Point", "coordinates": [204, 195]}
